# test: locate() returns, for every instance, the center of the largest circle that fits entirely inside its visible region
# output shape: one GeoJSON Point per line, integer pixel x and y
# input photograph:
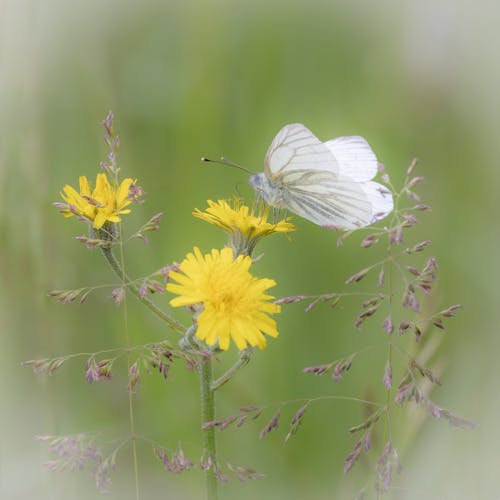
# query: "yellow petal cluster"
{"type": "Point", "coordinates": [244, 227]}
{"type": "Point", "coordinates": [235, 303]}
{"type": "Point", "coordinates": [102, 204]}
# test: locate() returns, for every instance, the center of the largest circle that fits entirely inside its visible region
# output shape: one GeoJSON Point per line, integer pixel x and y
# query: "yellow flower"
{"type": "Point", "coordinates": [104, 203]}
{"type": "Point", "coordinates": [235, 303]}
{"type": "Point", "coordinates": [245, 228]}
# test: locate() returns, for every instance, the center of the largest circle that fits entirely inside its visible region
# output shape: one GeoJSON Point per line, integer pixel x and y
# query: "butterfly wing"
{"type": "Point", "coordinates": [295, 147]}
{"type": "Point", "coordinates": [326, 183]}
{"type": "Point", "coordinates": [380, 199]}
{"type": "Point", "coordinates": [327, 199]}
{"type": "Point", "coordinates": [354, 156]}
{"type": "Point", "coordinates": [358, 162]}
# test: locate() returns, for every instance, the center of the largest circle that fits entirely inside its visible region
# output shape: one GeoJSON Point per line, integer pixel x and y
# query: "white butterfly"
{"type": "Point", "coordinates": [328, 183]}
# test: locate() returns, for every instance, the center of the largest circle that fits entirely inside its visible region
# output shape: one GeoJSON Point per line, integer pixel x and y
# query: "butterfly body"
{"type": "Point", "coordinates": [327, 183]}
{"type": "Point", "coordinates": [270, 191]}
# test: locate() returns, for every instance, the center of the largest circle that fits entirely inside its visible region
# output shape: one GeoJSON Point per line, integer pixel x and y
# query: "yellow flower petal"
{"type": "Point", "coordinates": [99, 220]}
{"type": "Point", "coordinates": [84, 186]}
{"type": "Point", "coordinates": [235, 304]}
{"type": "Point", "coordinates": [244, 227]}
{"type": "Point", "coordinates": [123, 192]}
{"type": "Point", "coordinates": [102, 204]}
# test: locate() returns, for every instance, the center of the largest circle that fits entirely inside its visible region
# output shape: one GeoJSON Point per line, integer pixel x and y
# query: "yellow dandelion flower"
{"type": "Point", "coordinates": [105, 203]}
{"type": "Point", "coordinates": [235, 303]}
{"type": "Point", "coordinates": [244, 227]}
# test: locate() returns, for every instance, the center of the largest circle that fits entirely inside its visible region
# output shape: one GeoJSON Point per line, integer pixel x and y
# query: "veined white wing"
{"type": "Point", "coordinates": [380, 199]}
{"type": "Point", "coordinates": [326, 183]}
{"type": "Point", "coordinates": [354, 156]}
{"type": "Point", "coordinates": [329, 200]}
{"type": "Point", "coordinates": [295, 147]}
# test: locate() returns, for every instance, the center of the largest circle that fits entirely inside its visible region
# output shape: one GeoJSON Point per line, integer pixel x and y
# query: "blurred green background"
{"type": "Point", "coordinates": [190, 78]}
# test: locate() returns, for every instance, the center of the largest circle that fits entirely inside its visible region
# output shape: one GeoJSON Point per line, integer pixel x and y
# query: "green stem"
{"type": "Point", "coordinates": [243, 360]}
{"type": "Point", "coordinates": [188, 342]}
{"type": "Point", "coordinates": [115, 265]}
{"type": "Point", "coordinates": [208, 415]}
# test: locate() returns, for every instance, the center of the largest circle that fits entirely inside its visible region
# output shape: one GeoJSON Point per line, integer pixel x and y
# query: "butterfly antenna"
{"type": "Point", "coordinates": [229, 163]}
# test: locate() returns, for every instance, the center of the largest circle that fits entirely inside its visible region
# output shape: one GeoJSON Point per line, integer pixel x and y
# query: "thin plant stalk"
{"type": "Point", "coordinates": [208, 415]}
{"type": "Point", "coordinates": [243, 360]}
{"type": "Point", "coordinates": [115, 265]}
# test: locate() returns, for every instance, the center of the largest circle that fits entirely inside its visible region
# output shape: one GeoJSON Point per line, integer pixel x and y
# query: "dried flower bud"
{"type": "Point", "coordinates": [135, 194]}
{"type": "Point", "coordinates": [372, 302]}
{"type": "Point", "coordinates": [227, 422]}
{"type": "Point", "coordinates": [388, 375]}
{"type": "Point", "coordinates": [384, 468]}
{"type": "Point", "coordinates": [272, 424]}
{"type": "Point", "coordinates": [413, 270]}
{"type": "Point", "coordinates": [412, 166]}
{"type": "Point", "coordinates": [369, 422]}
{"type": "Point", "coordinates": [161, 361]}
{"type": "Point", "coordinates": [432, 377]}
{"type": "Point", "coordinates": [403, 326]}
{"type": "Point", "coordinates": [418, 247]}
{"type": "Point", "coordinates": [410, 300]}
{"type": "Point", "coordinates": [381, 278]}
{"type": "Point", "coordinates": [248, 409]}
{"type": "Point", "coordinates": [104, 369]}
{"type": "Point", "coordinates": [422, 208]}
{"type": "Point", "coordinates": [366, 314]}
{"type": "Point", "coordinates": [134, 377]}
{"type": "Point", "coordinates": [404, 391]}
{"type": "Point", "coordinates": [430, 266]}
{"type": "Point", "coordinates": [100, 370]}
{"type": "Point", "coordinates": [357, 276]}
{"type": "Point", "coordinates": [425, 372]}
{"type": "Point", "coordinates": [91, 243]}
{"type": "Point", "coordinates": [177, 462]}
{"type": "Point", "coordinates": [241, 420]}
{"type": "Point", "coordinates": [220, 476]}
{"type": "Point", "coordinates": [311, 305]}
{"type": "Point", "coordinates": [396, 235]}
{"type": "Point", "coordinates": [341, 367]}
{"type": "Point", "coordinates": [153, 224]}
{"type": "Point", "coordinates": [367, 444]}
{"type": "Point", "coordinates": [438, 323]}
{"type": "Point", "coordinates": [91, 374]}
{"type": "Point", "coordinates": [45, 366]}
{"type": "Point", "coordinates": [457, 421]}
{"type": "Point", "coordinates": [417, 332]}
{"type": "Point", "coordinates": [210, 423]}
{"type": "Point", "coordinates": [107, 123]}
{"type": "Point", "coordinates": [296, 421]}
{"type": "Point", "coordinates": [411, 220]}
{"type": "Point", "coordinates": [206, 463]}
{"type": "Point", "coordinates": [353, 456]}
{"type": "Point", "coordinates": [334, 302]}
{"type": "Point", "coordinates": [143, 290]}
{"type": "Point", "coordinates": [118, 294]}
{"type": "Point", "coordinates": [369, 241]}
{"type": "Point", "coordinates": [425, 286]}
{"type": "Point", "coordinates": [318, 370]}
{"type": "Point", "coordinates": [415, 181]}
{"type": "Point", "coordinates": [451, 311]}
{"type": "Point", "coordinates": [388, 325]}
{"type": "Point", "coordinates": [290, 300]}
{"type": "Point", "coordinates": [244, 473]}
{"type": "Point", "coordinates": [412, 196]}
{"type": "Point", "coordinates": [67, 296]}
